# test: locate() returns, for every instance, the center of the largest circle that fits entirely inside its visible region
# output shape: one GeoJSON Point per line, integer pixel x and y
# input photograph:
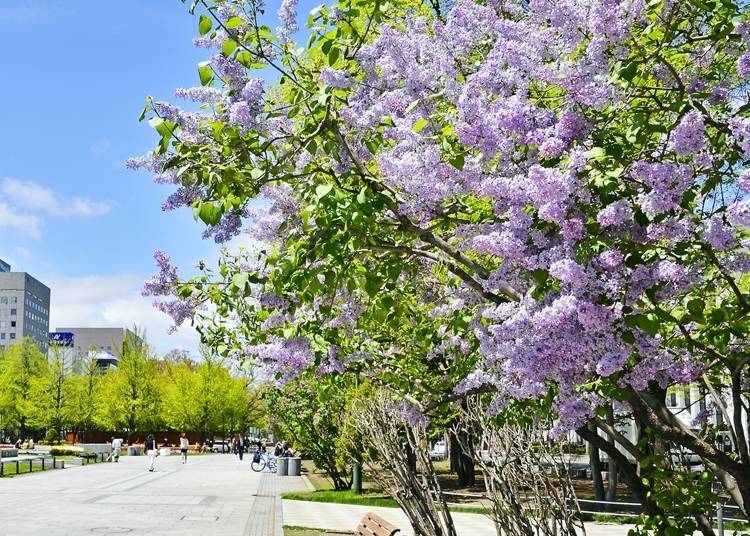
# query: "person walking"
{"type": "Point", "coordinates": [116, 449]}
{"type": "Point", "coordinates": [240, 443]}
{"type": "Point", "coordinates": [152, 451]}
{"type": "Point", "coordinates": [184, 446]}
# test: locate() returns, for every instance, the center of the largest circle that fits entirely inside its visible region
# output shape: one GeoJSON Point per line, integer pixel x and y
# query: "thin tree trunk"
{"type": "Point", "coordinates": [596, 466]}
{"type": "Point", "coordinates": [612, 469]}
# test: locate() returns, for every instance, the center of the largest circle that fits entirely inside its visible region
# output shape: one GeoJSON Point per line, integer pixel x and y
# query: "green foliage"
{"type": "Point", "coordinates": [141, 395]}
{"type": "Point", "coordinates": [311, 411]}
{"type": "Point", "coordinates": [63, 451]}
{"type": "Point", "coordinates": [130, 397]}
{"type": "Point", "coordinates": [23, 370]}
{"type": "Point", "coordinates": [205, 397]}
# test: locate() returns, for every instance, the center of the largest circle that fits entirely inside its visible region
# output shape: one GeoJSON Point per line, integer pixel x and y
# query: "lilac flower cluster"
{"type": "Point", "coordinates": [689, 136]}
{"type": "Point", "coordinates": [287, 14]}
{"type": "Point", "coordinates": [410, 414]}
{"type": "Point", "coordinates": [199, 94]}
{"type": "Point", "coordinates": [164, 284]}
{"type": "Point", "coordinates": [283, 359]}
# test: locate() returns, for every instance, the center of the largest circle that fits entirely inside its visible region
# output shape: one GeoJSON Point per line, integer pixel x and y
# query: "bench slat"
{"type": "Point", "coordinates": [374, 525]}
{"type": "Point", "coordinates": [365, 531]}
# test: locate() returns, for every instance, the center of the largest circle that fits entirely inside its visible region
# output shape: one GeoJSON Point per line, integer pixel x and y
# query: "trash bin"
{"type": "Point", "coordinates": [294, 466]}
{"type": "Point", "coordinates": [282, 467]}
{"type": "Point", "coordinates": [134, 451]}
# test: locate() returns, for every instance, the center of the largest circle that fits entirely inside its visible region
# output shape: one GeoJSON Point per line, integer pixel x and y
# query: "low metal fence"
{"type": "Point", "coordinates": [43, 463]}
{"type": "Point", "coordinates": [724, 512]}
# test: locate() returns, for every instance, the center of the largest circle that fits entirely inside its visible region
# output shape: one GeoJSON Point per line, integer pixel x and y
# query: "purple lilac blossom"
{"type": "Point", "coordinates": [287, 14]}
{"type": "Point", "coordinates": [689, 136]}
{"type": "Point", "coordinates": [199, 94]}
{"type": "Point", "coordinates": [615, 213]}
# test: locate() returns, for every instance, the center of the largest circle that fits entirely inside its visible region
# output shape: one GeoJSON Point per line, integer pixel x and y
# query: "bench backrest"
{"type": "Point", "coordinates": [374, 525]}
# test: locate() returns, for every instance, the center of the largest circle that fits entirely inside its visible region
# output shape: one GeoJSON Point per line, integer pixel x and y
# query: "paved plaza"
{"type": "Point", "coordinates": [208, 495]}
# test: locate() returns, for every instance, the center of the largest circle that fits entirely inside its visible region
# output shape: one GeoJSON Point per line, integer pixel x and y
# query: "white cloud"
{"type": "Point", "coordinates": [26, 224]}
{"type": "Point", "coordinates": [33, 196]}
{"type": "Point", "coordinates": [114, 301]}
{"type": "Point", "coordinates": [100, 147]}
{"type": "Point", "coordinates": [23, 253]}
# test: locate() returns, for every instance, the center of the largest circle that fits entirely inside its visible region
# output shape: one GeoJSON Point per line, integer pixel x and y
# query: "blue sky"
{"type": "Point", "coordinates": [76, 75]}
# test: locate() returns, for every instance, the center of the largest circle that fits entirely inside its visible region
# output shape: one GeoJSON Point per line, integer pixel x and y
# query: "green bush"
{"type": "Point", "coordinates": [52, 438]}
{"type": "Point", "coordinates": [63, 451]}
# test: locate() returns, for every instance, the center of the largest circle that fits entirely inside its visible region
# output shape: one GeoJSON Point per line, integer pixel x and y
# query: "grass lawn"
{"type": "Point", "coordinates": [366, 499]}
{"type": "Point", "coordinates": [343, 497]}
{"type": "Point", "coordinates": [301, 531]}
{"type": "Point", "coordinates": [9, 469]}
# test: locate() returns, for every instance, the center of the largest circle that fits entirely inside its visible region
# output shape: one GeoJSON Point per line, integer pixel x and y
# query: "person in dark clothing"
{"type": "Point", "coordinates": [240, 444]}
{"type": "Point", "coordinates": [152, 451]}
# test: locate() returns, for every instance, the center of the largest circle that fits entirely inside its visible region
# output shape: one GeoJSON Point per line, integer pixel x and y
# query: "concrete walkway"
{"type": "Point", "coordinates": [346, 516]}
{"type": "Point", "coordinates": [209, 495]}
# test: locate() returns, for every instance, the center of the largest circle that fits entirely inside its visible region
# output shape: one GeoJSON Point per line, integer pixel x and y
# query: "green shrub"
{"type": "Point", "coordinates": [68, 451]}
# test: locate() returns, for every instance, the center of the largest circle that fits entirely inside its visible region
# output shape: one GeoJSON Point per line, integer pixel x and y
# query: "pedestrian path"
{"type": "Point", "coordinates": [266, 513]}
{"type": "Point", "coordinates": [210, 494]}
{"type": "Point", "coordinates": [346, 516]}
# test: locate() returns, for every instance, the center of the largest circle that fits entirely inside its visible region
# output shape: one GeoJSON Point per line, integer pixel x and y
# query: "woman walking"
{"type": "Point", "coordinates": [184, 446]}
{"type": "Point", "coordinates": [152, 451]}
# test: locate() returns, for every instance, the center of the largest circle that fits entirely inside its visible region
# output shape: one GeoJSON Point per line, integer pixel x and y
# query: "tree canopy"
{"type": "Point", "coordinates": [541, 200]}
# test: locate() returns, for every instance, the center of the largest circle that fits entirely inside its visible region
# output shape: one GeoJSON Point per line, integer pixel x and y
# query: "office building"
{"type": "Point", "coordinates": [103, 344]}
{"type": "Point", "coordinates": [24, 308]}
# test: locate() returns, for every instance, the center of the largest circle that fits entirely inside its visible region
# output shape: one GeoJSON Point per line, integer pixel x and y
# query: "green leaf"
{"type": "Point", "coordinates": [412, 105]}
{"type": "Point", "coordinates": [205, 72]}
{"type": "Point", "coordinates": [228, 47]}
{"type": "Point", "coordinates": [696, 306]}
{"type": "Point", "coordinates": [647, 323]}
{"type": "Point", "coordinates": [372, 285]}
{"type": "Point", "coordinates": [204, 25]}
{"type": "Point", "coordinates": [240, 280]}
{"type": "Point", "coordinates": [361, 198]}
{"type": "Point", "coordinates": [234, 22]}
{"type": "Point", "coordinates": [457, 161]}
{"type": "Point", "coordinates": [209, 213]}
{"type": "Point", "coordinates": [323, 190]}
{"type": "Point", "coordinates": [419, 125]}
{"type": "Point", "coordinates": [628, 71]}
{"type": "Point", "coordinates": [333, 55]}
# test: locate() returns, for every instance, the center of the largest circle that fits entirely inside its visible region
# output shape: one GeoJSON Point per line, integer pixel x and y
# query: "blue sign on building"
{"type": "Point", "coordinates": [61, 338]}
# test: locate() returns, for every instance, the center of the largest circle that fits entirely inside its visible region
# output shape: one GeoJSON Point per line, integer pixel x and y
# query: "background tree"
{"type": "Point", "coordinates": [310, 412]}
{"type": "Point", "coordinates": [23, 366]}
{"type": "Point", "coordinates": [50, 395]}
{"type": "Point", "coordinates": [84, 394]}
{"type": "Point", "coordinates": [130, 396]}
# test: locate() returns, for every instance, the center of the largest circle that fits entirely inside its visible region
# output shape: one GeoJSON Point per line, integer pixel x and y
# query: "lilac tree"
{"type": "Point", "coordinates": [540, 200]}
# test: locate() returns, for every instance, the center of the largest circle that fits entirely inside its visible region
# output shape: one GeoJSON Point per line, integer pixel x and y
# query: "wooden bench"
{"type": "Point", "coordinates": [370, 525]}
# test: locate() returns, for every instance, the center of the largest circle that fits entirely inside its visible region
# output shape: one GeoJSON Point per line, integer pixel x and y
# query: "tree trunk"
{"type": "Point", "coordinates": [411, 457]}
{"type": "Point", "coordinates": [462, 463]}
{"type": "Point", "coordinates": [612, 470]}
{"type": "Point", "coordinates": [596, 467]}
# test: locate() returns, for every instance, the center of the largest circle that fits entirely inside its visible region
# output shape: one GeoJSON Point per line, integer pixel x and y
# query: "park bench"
{"type": "Point", "coordinates": [370, 525]}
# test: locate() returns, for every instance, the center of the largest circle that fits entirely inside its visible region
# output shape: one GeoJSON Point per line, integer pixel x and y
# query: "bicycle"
{"type": "Point", "coordinates": [261, 460]}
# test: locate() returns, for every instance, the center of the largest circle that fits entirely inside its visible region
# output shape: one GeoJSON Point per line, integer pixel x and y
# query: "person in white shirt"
{"type": "Point", "coordinates": [184, 445]}
{"type": "Point", "coordinates": [152, 451]}
{"type": "Point", "coordinates": [116, 449]}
